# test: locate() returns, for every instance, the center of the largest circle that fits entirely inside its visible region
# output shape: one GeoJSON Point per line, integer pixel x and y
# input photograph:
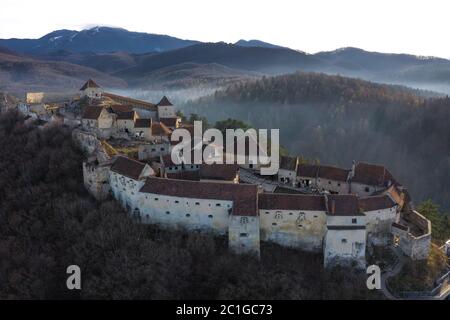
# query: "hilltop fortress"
{"type": "Point", "coordinates": [319, 208]}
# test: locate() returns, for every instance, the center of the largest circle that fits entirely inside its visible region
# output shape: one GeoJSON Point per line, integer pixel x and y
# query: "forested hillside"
{"type": "Point", "coordinates": [48, 222]}
{"type": "Point", "coordinates": [337, 120]}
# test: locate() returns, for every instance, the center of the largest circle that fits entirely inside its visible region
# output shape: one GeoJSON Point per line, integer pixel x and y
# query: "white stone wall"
{"type": "Point", "coordinates": [294, 228]}
{"type": "Point", "coordinates": [144, 133]}
{"type": "Point", "coordinates": [283, 175]}
{"type": "Point", "coordinates": [340, 187]}
{"type": "Point", "coordinates": [345, 247]}
{"type": "Point", "coordinates": [93, 93]}
{"type": "Point", "coordinates": [166, 112]}
{"type": "Point", "coordinates": [125, 124]}
{"type": "Point", "coordinates": [243, 235]}
{"type": "Point", "coordinates": [378, 225]}
{"type": "Point", "coordinates": [96, 180]}
{"type": "Point", "coordinates": [126, 191]}
{"type": "Point", "coordinates": [185, 213]}
{"type": "Point", "coordinates": [148, 151]}
{"type": "Point", "coordinates": [363, 190]}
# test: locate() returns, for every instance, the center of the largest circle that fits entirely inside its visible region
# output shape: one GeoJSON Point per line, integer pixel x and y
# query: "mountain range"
{"type": "Point", "coordinates": [116, 56]}
{"type": "Point", "coordinates": [98, 39]}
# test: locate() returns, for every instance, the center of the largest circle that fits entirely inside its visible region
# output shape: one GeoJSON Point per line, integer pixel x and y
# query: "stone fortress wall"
{"type": "Point", "coordinates": [337, 211]}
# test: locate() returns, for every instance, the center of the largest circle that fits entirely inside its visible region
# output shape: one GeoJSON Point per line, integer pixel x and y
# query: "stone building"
{"type": "Point", "coordinates": [91, 90]}
{"type": "Point", "coordinates": [204, 206]}
{"type": "Point", "coordinates": [98, 120]}
{"type": "Point", "coordinates": [208, 198]}
{"type": "Point", "coordinates": [165, 109]}
{"type": "Point", "coordinates": [366, 178]}
{"type": "Point", "coordinates": [288, 170]}
{"type": "Point", "coordinates": [126, 178]}
{"type": "Point", "coordinates": [125, 121]}
{"type": "Point", "coordinates": [345, 238]}
{"type": "Point", "coordinates": [297, 221]}
{"type": "Point", "coordinates": [381, 211]}
{"type": "Point", "coordinates": [143, 129]}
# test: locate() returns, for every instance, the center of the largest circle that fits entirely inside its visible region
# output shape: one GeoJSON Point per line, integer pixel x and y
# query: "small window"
{"type": "Point", "coordinates": [300, 225]}
{"type": "Point", "coordinates": [367, 189]}
{"type": "Point", "coordinates": [267, 212]}
{"type": "Point", "coordinates": [339, 184]}
{"type": "Point", "coordinates": [290, 213]}
{"type": "Point", "coordinates": [156, 199]}
{"type": "Point", "coordinates": [197, 203]}
{"type": "Point", "coordinates": [244, 220]}
{"type": "Point", "coordinates": [210, 216]}
{"type": "Point", "coordinates": [344, 240]}
{"type": "Point", "coordinates": [188, 215]}
{"type": "Point", "coordinates": [274, 223]}
{"type": "Point", "coordinates": [242, 235]}
{"type": "Point", "coordinates": [167, 212]}
{"type": "Point", "coordinates": [329, 182]}
{"type": "Point", "coordinates": [354, 220]}
{"type": "Point", "coordinates": [176, 201]}
{"type": "Point", "coordinates": [147, 216]}
{"type": "Point", "coordinates": [218, 204]}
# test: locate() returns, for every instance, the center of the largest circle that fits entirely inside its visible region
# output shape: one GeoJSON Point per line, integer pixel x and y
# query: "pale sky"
{"type": "Point", "coordinates": [397, 26]}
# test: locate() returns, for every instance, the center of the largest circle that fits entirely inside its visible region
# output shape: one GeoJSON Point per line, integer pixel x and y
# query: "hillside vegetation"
{"type": "Point", "coordinates": [337, 120]}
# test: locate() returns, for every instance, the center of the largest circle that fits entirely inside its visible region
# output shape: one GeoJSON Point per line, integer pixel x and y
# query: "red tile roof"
{"type": "Point", "coordinates": [121, 108]}
{"type": "Point", "coordinates": [164, 102]}
{"type": "Point", "coordinates": [281, 201]}
{"type": "Point", "coordinates": [343, 205]}
{"type": "Point", "coordinates": [143, 123]}
{"type": "Point", "coordinates": [376, 203]}
{"type": "Point", "coordinates": [333, 173]}
{"type": "Point", "coordinates": [227, 172]}
{"type": "Point", "coordinates": [169, 122]}
{"type": "Point", "coordinates": [128, 167]}
{"type": "Point", "coordinates": [244, 196]}
{"type": "Point", "coordinates": [92, 112]}
{"type": "Point", "coordinates": [372, 174]}
{"type": "Point", "coordinates": [130, 101]}
{"type": "Point", "coordinates": [160, 129]}
{"type": "Point", "coordinates": [126, 115]}
{"type": "Point", "coordinates": [184, 175]}
{"type": "Point", "coordinates": [89, 84]}
{"type": "Point", "coordinates": [307, 170]}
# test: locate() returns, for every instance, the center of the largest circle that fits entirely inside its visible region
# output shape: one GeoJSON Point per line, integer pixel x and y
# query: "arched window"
{"type": "Point", "coordinates": [244, 220]}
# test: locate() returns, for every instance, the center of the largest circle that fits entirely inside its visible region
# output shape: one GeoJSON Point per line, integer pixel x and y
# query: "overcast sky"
{"type": "Point", "coordinates": [398, 26]}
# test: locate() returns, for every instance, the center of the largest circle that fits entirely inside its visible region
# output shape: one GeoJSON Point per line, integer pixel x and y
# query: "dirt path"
{"type": "Point", "coordinates": [391, 273]}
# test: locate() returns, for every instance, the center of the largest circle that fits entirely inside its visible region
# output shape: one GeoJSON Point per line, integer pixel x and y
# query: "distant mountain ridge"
{"type": "Point", "coordinates": [256, 43]}
{"type": "Point", "coordinates": [98, 39]}
{"type": "Point", "coordinates": [20, 73]}
{"type": "Point", "coordinates": [136, 57]}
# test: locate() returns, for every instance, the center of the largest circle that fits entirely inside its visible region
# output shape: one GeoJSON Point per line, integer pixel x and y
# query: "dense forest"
{"type": "Point", "coordinates": [337, 120]}
{"type": "Point", "coordinates": [48, 222]}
